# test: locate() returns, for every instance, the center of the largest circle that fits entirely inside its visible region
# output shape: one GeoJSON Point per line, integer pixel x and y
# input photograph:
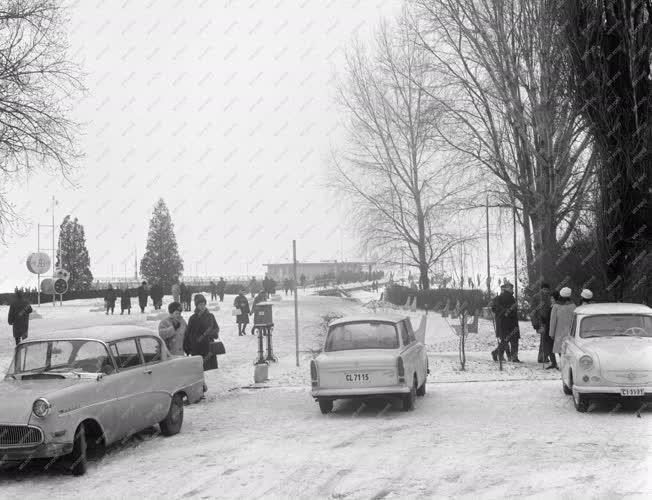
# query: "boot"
{"type": "Point", "coordinates": [494, 355]}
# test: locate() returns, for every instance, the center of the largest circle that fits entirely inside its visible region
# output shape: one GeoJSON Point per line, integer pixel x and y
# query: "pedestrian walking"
{"type": "Point", "coordinates": [186, 297]}
{"type": "Point", "coordinates": [286, 285]}
{"type": "Point", "coordinates": [125, 301]}
{"type": "Point", "coordinates": [109, 299]}
{"type": "Point", "coordinates": [142, 296]}
{"type": "Point", "coordinates": [507, 329]}
{"type": "Point", "coordinates": [302, 281]}
{"type": "Point", "coordinates": [221, 289]}
{"type": "Point", "coordinates": [212, 287]}
{"type": "Point", "coordinates": [201, 331]}
{"type": "Point", "coordinates": [173, 329]}
{"type": "Point", "coordinates": [156, 292]}
{"type": "Point", "coordinates": [541, 323]}
{"type": "Point", "coordinates": [242, 318]}
{"type": "Point", "coordinates": [586, 297]}
{"type": "Point", "coordinates": [18, 317]}
{"type": "Point", "coordinates": [561, 319]}
{"type": "Point", "coordinates": [253, 286]}
{"type": "Point", "coordinates": [176, 291]}
{"type": "Point", "coordinates": [183, 293]}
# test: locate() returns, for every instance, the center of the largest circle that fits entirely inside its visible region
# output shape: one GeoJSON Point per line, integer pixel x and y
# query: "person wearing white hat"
{"type": "Point", "coordinates": [561, 319]}
{"type": "Point", "coordinates": [586, 297]}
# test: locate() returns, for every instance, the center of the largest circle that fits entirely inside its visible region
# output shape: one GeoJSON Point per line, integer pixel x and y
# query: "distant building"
{"type": "Point", "coordinates": [312, 269]}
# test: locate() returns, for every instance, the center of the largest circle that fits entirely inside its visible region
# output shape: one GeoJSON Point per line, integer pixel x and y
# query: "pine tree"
{"type": "Point", "coordinates": [161, 260]}
{"type": "Point", "coordinates": [73, 255]}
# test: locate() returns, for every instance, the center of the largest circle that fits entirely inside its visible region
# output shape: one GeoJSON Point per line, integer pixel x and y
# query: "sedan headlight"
{"type": "Point", "coordinates": [41, 407]}
{"type": "Point", "coordinates": [586, 362]}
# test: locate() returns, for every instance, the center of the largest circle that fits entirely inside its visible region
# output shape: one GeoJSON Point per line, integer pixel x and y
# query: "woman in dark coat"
{"type": "Point", "coordinates": [109, 299]}
{"type": "Point", "coordinates": [202, 330]}
{"type": "Point", "coordinates": [142, 296]}
{"type": "Point", "coordinates": [125, 301]}
{"type": "Point", "coordinates": [242, 319]}
{"type": "Point", "coordinates": [18, 318]}
{"type": "Point", "coordinates": [156, 292]}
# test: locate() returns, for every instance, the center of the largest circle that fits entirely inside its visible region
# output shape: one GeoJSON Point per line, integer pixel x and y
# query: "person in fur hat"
{"type": "Point", "coordinates": [586, 297]}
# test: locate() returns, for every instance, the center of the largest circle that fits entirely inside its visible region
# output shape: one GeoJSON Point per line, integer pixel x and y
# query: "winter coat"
{"type": "Point", "coordinates": [221, 286]}
{"type": "Point", "coordinates": [156, 292]}
{"type": "Point", "coordinates": [504, 309]}
{"type": "Point", "coordinates": [125, 300]}
{"type": "Point", "coordinates": [202, 327]}
{"type": "Point", "coordinates": [173, 336]}
{"type": "Point", "coordinates": [142, 295]}
{"type": "Point", "coordinates": [242, 303]}
{"type": "Point", "coordinates": [176, 292]}
{"type": "Point", "coordinates": [561, 319]}
{"type": "Point", "coordinates": [110, 297]}
{"type": "Point", "coordinates": [183, 292]}
{"type": "Point", "coordinates": [18, 317]}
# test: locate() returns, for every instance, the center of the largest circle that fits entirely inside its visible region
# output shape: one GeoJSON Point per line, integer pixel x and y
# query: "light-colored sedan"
{"type": "Point", "coordinates": [71, 392]}
{"type": "Point", "coordinates": [370, 356]}
{"type": "Point", "coordinates": [608, 353]}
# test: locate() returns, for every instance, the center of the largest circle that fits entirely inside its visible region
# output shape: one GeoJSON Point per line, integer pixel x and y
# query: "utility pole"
{"type": "Point", "coordinates": [38, 276]}
{"type": "Point", "coordinates": [53, 261]}
{"type": "Point", "coordinates": [296, 299]}
{"type": "Point", "coordinates": [515, 268]}
{"type": "Point", "coordinates": [488, 253]}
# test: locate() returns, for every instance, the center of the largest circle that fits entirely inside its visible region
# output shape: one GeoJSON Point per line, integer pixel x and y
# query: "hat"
{"type": "Point", "coordinates": [586, 294]}
{"type": "Point", "coordinates": [199, 299]}
{"type": "Point", "coordinates": [565, 292]}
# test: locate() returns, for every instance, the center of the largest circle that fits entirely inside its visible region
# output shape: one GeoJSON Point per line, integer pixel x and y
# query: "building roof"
{"type": "Point", "coordinates": [388, 318]}
{"type": "Point", "coordinates": [104, 333]}
{"type": "Point", "coordinates": [613, 308]}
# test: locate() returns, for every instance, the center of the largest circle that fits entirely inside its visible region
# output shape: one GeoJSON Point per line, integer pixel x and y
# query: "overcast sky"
{"type": "Point", "coordinates": [224, 109]}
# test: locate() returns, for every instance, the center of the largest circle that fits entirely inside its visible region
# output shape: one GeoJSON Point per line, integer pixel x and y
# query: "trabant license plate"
{"type": "Point", "coordinates": [639, 391]}
{"type": "Point", "coordinates": [357, 377]}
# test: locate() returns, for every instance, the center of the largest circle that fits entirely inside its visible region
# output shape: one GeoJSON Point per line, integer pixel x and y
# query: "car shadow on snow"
{"type": "Point", "coordinates": [367, 408]}
{"type": "Point", "coordinates": [614, 406]}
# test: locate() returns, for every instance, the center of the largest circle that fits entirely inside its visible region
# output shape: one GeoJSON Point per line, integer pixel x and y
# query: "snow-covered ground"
{"type": "Point", "coordinates": [477, 433]}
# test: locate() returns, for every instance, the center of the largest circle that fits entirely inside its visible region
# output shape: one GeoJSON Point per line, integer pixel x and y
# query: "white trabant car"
{"type": "Point", "coordinates": [73, 391]}
{"type": "Point", "coordinates": [608, 353]}
{"type": "Point", "coordinates": [370, 356]}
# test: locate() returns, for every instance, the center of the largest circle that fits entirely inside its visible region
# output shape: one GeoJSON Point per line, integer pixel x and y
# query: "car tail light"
{"type": "Point", "coordinates": [401, 370]}
{"type": "Point", "coordinates": [313, 372]}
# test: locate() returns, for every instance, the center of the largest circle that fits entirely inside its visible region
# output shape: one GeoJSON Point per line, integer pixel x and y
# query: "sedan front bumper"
{"type": "Point", "coordinates": [44, 450]}
{"type": "Point", "coordinates": [360, 392]}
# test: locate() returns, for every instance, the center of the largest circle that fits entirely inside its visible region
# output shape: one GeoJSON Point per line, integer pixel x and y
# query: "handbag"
{"type": "Point", "coordinates": [216, 348]}
{"type": "Point", "coordinates": [236, 312]}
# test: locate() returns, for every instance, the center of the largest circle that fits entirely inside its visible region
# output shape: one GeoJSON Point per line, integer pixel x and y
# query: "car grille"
{"type": "Point", "coordinates": [14, 436]}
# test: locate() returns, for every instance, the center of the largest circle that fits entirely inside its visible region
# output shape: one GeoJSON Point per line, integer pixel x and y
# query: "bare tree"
{"type": "Point", "coordinates": [400, 180]}
{"type": "Point", "coordinates": [37, 86]}
{"type": "Point", "coordinates": [509, 110]}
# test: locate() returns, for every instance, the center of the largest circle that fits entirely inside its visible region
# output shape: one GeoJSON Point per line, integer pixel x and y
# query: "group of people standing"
{"type": "Point", "coordinates": [218, 289]}
{"type": "Point", "coordinates": [182, 294]}
{"type": "Point", "coordinates": [551, 318]}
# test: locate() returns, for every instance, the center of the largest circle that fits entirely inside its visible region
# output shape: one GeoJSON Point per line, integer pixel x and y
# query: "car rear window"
{"type": "Point", "coordinates": [362, 335]}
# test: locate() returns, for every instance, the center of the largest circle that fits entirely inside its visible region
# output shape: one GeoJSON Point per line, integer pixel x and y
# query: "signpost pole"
{"type": "Point", "coordinates": [38, 276]}
{"type": "Point", "coordinates": [54, 297]}
{"type": "Point", "coordinates": [296, 300]}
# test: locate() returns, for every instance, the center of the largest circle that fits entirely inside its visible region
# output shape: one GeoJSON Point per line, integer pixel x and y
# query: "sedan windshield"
{"type": "Point", "coordinates": [362, 335]}
{"type": "Point", "coordinates": [61, 356]}
{"type": "Point", "coordinates": [614, 325]}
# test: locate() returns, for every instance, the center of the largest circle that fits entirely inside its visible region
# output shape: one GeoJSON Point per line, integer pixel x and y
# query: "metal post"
{"type": "Point", "coordinates": [38, 276]}
{"type": "Point", "coordinates": [488, 253]}
{"type": "Point", "coordinates": [296, 299]}
{"type": "Point", "coordinates": [261, 352]}
{"type": "Point", "coordinates": [515, 269]}
{"type": "Point", "coordinates": [54, 298]}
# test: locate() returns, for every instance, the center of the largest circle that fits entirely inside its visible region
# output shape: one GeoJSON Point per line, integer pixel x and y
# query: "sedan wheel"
{"type": "Point", "coordinates": [580, 401]}
{"type": "Point", "coordinates": [409, 399]}
{"type": "Point", "coordinates": [566, 389]}
{"type": "Point", "coordinates": [326, 406]}
{"type": "Point", "coordinates": [77, 459]}
{"type": "Point", "coordinates": [174, 419]}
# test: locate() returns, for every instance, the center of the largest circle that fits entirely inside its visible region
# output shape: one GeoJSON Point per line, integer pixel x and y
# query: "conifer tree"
{"type": "Point", "coordinates": [73, 255]}
{"type": "Point", "coordinates": [161, 261]}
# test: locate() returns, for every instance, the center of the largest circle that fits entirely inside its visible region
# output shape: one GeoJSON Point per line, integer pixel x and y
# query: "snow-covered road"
{"type": "Point", "coordinates": [479, 433]}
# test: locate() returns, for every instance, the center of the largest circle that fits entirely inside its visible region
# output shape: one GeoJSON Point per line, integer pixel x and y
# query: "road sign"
{"type": "Point", "coordinates": [61, 274]}
{"type": "Point", "coordinates": [38, 263]}
{"type": "Point", "coordinates": [61, 286]}
{"type": "Point", "coordinates": [47, 285]}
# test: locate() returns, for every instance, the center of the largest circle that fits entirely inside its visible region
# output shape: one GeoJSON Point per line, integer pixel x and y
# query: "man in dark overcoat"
{"type": "Point", "coordinates": [18, 317]}
{"type": "Point", "coordinates": [507, 330]}
{"type": "Point", "coordinates": [202, 330]}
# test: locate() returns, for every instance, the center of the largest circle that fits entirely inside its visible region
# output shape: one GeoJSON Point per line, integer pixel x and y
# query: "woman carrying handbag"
{"type": "Point", "coordinates": [201, 334]}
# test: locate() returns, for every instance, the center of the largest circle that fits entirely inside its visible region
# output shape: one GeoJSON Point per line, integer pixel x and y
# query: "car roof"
{"type": "Point", "coordinates": [104, 333]}
{"type": "Point", "coordinates": [613, 308]}
{"type": "Point", "coordinates": [387, 318]}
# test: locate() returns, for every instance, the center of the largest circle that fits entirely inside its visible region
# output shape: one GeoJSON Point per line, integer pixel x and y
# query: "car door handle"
{"type": "Point", "coordinates": [147, 372]}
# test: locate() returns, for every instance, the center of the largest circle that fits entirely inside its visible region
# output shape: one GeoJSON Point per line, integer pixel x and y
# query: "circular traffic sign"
{"type": "Point", "coordinates": [38, 263]}
{"type": "Point", "coordinates": [47, 285]}
{"type": "Point", "coordinates": [60, 286]}
{"type": "Point", "coordinates": [61, 274]}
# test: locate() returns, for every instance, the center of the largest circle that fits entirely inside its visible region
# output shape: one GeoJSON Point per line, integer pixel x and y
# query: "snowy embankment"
{"type": "Point", "coordinates": [478, 433]}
